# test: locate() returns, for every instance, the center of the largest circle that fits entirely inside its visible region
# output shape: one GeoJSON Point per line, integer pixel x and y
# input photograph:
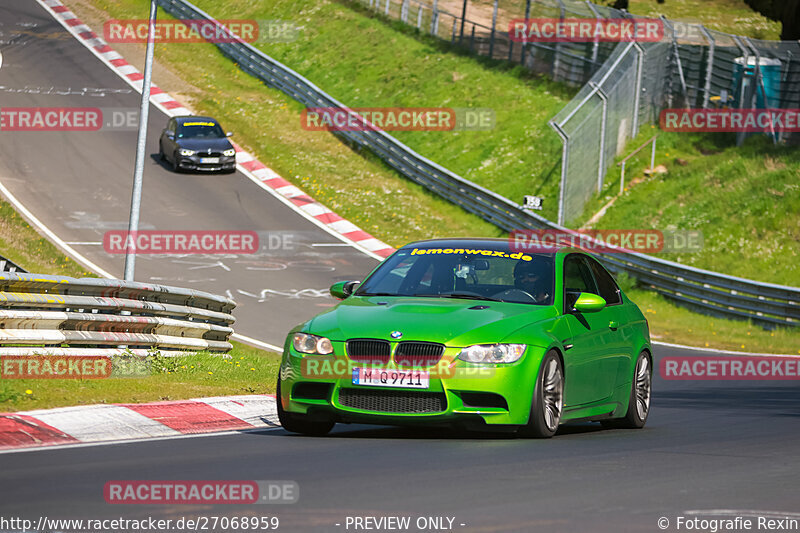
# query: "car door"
{"type": "Point", "coordinates": [589, 356]}
{"type": "Point", "coordinates": [621, 337]}
{"type": "Point", "coordinates": [168, 138]}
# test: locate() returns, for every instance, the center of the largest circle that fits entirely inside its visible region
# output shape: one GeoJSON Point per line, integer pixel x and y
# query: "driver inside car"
{"type": "Point", "coordinates": [533, 278]}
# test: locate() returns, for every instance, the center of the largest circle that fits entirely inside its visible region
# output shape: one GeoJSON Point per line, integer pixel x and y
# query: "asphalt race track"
{"type": "Point", "coordinates": [79, 185]}
{"type": "Point", "coordinates": [707, 446]}
{"type": "Point", "coordinates": [710, 448]}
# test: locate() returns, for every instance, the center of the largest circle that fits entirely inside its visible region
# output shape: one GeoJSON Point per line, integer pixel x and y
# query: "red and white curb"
{"type": "Point", "coordinates": [120, 422]}
{"type": "Point", "coordinates": [255, 170]}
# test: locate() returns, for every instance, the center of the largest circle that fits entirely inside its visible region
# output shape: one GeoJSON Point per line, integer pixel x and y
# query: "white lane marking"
{"type": "Point", "coordinates": [33, 221]}
{"type": "Point", "coordinates": [55, 447]}
{"type": "Point", "coordinates": [86, 243]}
{"type": "Point", "coordinates": [255, 342]}
{"type": "Point", "coordinates": [751, 513]}
{"type": "Point", "coordinates": [329, 244]}
{"type": "Point", "coordinates": [102, 422]}
{"type": "Point", "coordinates": [726, 352]}
{"type": "Point", "coordinates": [1, 60]}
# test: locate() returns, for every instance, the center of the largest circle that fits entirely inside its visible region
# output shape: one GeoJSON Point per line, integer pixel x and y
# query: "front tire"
{"type": "Point", "coordinates": [547, 404]}
{"type": "Point", "coordinates": [296, 423]}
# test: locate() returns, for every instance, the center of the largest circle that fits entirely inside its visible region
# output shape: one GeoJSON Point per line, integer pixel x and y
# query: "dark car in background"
{"type": "Point", "coordinates": [196, 143]}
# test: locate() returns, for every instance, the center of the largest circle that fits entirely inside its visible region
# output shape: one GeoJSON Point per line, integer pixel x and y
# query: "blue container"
{"type": "Point", "coordinates": [770, 95]}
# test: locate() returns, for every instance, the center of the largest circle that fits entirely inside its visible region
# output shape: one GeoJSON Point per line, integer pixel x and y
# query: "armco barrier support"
{"type": "Point", "coordinates": [55, 315]}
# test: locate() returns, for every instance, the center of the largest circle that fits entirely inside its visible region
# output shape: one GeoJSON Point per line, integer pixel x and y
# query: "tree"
{"type": "Point", "coordinates": [787, 12]}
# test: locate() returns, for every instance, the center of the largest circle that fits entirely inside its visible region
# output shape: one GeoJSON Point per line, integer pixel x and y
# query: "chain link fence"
{"type": "Point", "coordinates": [625, 85]}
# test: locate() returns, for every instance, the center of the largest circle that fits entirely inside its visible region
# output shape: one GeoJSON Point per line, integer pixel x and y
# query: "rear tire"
{"type": "Point", "coordinates": [296, 423]}
{"type": "Point", "coordinates": [639, 400]}
{"type": "Point", "coordinates": [547, 404]}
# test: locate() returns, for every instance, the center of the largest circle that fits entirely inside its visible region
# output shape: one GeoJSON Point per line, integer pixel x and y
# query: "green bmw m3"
{"type": "Point", "coordinates": [474, 333]}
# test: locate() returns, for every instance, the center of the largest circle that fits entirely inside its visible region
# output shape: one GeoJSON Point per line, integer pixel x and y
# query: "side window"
{"type": "Point", "coordinates": [577, 279]}
{"type": "Point", "coordinates": [171, 125]}
{"type": "Point", "coordinates": [605, 283]}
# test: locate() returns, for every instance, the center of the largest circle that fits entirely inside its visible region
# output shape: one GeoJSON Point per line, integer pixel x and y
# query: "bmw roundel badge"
{"type": "Point", "coordinates": [397, 334]}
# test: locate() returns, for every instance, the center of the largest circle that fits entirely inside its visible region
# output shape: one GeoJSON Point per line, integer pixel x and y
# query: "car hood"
{"type": "Point", "coordinates": [454, 322]}
{"type": "Point", "coordinates": [218, 144]}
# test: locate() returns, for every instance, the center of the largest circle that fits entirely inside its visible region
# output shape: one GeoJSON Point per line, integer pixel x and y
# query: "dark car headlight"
{"type": "Point", "coordinates": [492, 353]}
{"type": "Point", "coordinates": [313, 344]}
{"type": "Point", "coordinates": [229, 152]}
{"type": "Point", "coordinates": [186, 152]}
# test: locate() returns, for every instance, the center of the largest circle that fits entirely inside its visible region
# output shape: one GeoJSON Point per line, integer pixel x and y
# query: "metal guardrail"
{"type": "Point", "coordinates": [7, 265]}
{"type": "Point", "coordinates": [764, 303]}
{"type": "Point", "coordinates": [55, 315]}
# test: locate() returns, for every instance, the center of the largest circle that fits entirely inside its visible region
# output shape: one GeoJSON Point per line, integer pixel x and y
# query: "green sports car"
{"type": "Point", "coordinates": [474, 333]}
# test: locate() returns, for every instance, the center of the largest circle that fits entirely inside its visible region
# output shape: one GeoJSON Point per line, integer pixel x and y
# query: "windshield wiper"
{"type": "Point", "coordinates": [459, 295]}
{"type": "Point", "coordinates": [376, 294]}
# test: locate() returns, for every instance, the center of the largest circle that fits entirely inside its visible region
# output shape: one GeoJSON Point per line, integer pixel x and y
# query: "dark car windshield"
{"type": "Point", "coordinates": [471, 272]}
{"type": "Point", "coordinates": [203, 129]}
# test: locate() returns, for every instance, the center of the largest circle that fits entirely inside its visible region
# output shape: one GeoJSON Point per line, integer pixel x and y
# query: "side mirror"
{"type": "Point", "coordinates": [588, 303]}
{"type": "Point", "coordinates": [342, 289]}
{"type": "Point", "coordinates": [229, 134]}
{"type": "Point", "coordinates": [170, 134]}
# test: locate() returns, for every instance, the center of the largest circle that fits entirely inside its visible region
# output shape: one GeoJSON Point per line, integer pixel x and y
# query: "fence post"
{"type": "Point", "coordinates": [622, 179]}
{"type": "Point", "coordinates": [472, 39]}
{"type": "Point", "coordinates": [564, 160]}
{"type": "Point", "coordinates": [435, 18]}
{"type": "Point", "coordinates": [596, 43]}
{"type": "Point", "coordinates": [677, 60]}
{"type": "Point", "coordinates": [386, 9]}
{"type": "Point", "coordinates": [455, 25]}
{"type": "Point", "coordinates": [557, 51]}
{"type": "Point", "coordinates": [494, 23]}
{"type": "Point", "coordinates": [653, 154]}
{"type": "Point", "coordinates": [463, 19]}
{"type": "Point", "coordinates": [419, 17]}
{"type": "Point", "coordinates": [601, 166]}
{"type": "Point", "coordinates": [709, 66]}
{"type": "Point", "coordinates": [524, 44]}
{"type": "Point", "coordinates": [638, 89]}
{"type": "Point", "coordinates": [742, 84]}
{"type": "Point", "coordinates": [404, 11]}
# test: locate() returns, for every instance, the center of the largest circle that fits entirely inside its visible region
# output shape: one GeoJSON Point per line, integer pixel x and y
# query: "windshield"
{"type": "Point", "coordinates": [200, 129]}
{"type": "Point", "coordinates": [469, 273]}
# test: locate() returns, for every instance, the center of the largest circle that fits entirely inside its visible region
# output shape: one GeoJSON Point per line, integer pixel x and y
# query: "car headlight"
{"type": "Point", "coordinates": [492, 353]}
{"type": "Point", "coordinates": [230, 152]}
{"type": "Point", "coordinates": [184, 151]}
{"type": "Point", "coordinates": [305, 343]}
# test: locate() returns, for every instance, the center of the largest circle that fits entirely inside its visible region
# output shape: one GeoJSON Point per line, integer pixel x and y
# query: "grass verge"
{"type": "Point", "coordinates": [247, 371]}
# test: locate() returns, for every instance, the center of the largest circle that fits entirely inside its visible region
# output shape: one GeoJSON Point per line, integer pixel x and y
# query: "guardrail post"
{"type": "Point", "coordinates": [494, 23]}
{"type": "Point", "coordinates": [601, 166]}
{"type": "Point", "coordinates": [709, 66]}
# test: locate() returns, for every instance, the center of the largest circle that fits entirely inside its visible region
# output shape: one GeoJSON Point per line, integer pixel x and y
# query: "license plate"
{"type": "Point", "coordinates": [381, 377]}
{"type": "Point", "coordinates": [209, 159]}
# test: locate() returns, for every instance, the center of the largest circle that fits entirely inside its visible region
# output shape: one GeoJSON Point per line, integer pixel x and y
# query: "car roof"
{"type": "Point", "coordinates": [181, 120]}
{"type": "Point", "coordinates": [485, 242]}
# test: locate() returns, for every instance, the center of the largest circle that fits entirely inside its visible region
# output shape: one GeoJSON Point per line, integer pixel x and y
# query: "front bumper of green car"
{"type": "Point", "coordinates": [476, 394]}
